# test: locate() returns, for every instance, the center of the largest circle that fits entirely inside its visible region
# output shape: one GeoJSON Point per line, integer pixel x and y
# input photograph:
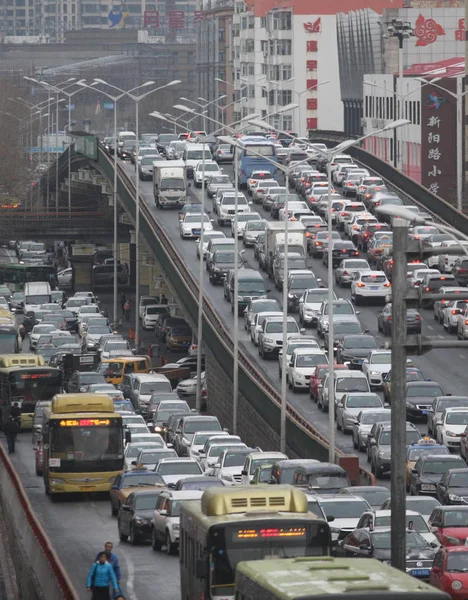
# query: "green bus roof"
{"type": "Point", "coordinates": [328, 577]}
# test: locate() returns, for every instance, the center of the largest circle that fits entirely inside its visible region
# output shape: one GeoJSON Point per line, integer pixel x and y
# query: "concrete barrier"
{"type": "Point", "coordinates": [39, 573]}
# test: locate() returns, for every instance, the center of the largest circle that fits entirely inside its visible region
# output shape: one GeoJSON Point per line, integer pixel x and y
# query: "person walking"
{"type": "Point", "coordinates": [123, 300]}
{"type": "Point", "coordinates": [112, 559]}
{"type": "Point", "coordinates": [100, 576]}
{"type": "Point", "coordinates": [127, 310]}
{"type": "Point", "coordinates": [10, 429]}
{"type": "Point", "coordinates": [164, 300]}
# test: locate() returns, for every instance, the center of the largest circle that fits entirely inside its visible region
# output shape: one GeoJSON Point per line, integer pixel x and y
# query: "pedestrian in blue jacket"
{"type": "Point", "coordinates": [111, 558]}
{"type": "Point", "coordinates": [100, 577]}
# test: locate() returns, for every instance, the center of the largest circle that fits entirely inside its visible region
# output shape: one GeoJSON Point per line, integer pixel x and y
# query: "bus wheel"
{"type": "Point", "coordinates": [170, 548]}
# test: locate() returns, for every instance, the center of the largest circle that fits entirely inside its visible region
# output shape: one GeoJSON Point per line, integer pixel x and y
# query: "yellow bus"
{"type": "Point", "coordinates": [24, 380]}
{"type": "Point", "coordinates": [114, 369]}
{"type": "Point", "coordinates": [83, 439]}
{"type": "Point", "coordinates": [327, 578]}
{"type": "Point", "coordinates": [239, 523]}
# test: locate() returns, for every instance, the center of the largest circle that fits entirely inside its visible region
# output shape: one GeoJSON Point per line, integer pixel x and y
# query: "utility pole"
{"type": "Point", "coordinates": [398, 383]}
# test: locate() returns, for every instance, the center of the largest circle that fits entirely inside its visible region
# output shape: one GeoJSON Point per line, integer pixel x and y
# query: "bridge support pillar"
{"type": "Point", "coordinates": [132, 264]}
{"type": "Point", "coordinates": [82, 273]}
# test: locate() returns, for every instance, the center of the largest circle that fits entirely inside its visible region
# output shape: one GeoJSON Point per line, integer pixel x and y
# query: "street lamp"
{"type": "Point", "coordinates": [137, 100]}
{"type": "Point", "coordinates": [330, 153]}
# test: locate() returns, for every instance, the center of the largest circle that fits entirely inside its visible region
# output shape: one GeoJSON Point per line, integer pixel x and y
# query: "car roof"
{"type": "Point", "coordinates": [339, 498]}
{"type": "Point", "coordinates": [309, 350]}
{"type": "Point", "coordinates": [387, 513]}
{"type": "Point", "coordinates": [184, 494]}
{"type": "Point", "coordinates": [423, 383]}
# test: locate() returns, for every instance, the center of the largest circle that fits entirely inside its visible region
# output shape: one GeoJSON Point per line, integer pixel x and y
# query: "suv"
{"type": "Point", "coordinates": [429, 470]}
{"type": "Point", "coordinates": [188, 426]}
{"type": "Point", "coordinates": [345, 382]}
{"type": "Point", "coordinates": [80, 380]}
{"type": "Point", "coordinates": [298, 282]}
{"type": "Point", "coordinates": [340, 307]}
{"type": "Point", "coordinates": [165, 522]}
{"type": "Point", "coordinates": [379, 449]}
{"type": "Point", "coordinates": [270, 339]}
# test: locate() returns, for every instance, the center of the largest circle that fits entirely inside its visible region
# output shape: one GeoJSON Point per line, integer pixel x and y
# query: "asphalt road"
{"type": "Point", "coordinates": [448, 367]}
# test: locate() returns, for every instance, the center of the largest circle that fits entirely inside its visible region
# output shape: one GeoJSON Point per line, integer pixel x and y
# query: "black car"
{"type": "Point", "coordinates": [341, 249]}
{"type": "Point", "coordinates": [198, 483]}
{"type": "Point", "coordinates": [419, 397]}
{"type": "Point", "coordinates": [221, 262]}
{"type": "Point", "coordinates": [432, 284]}
{"type": "Point", "coordinates": [341, 329]}
{"type": "Point", "coordinates": [135, 516]}
{"type": "Point", "coordinates": [71, 320]}
{"type": "Point", "coordinates": [429, 470]}
{"type": "Point", "coordinates": [16, 303]}
{"type": "Point", "coordinates": [354, 349]}
{"type": "Point", "coordinates": [298, 283]}
{"type": "Point", "coordinates": [364, 543]}
{"type": "Point", "coordinates": [453, 487]}
{"type": "Point", "coordinates": [384, 320]}
{"type": "Point", "coordinates": [79, 381]}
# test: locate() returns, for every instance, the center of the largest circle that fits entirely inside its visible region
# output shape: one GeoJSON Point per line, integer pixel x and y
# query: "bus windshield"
{"type": "Point", "coordinates": [16, 275]}
{"type": "Point", "coordinates": [86, 445]}
{"type": "Point", "coordinates": [27, 386]}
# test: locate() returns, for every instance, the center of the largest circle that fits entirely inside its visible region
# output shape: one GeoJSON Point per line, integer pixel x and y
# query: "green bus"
{"type": "Point", "coordinates": [232, 524]}
{"type": "Point", "coordinates": [16, 275]}
{"type": "Point", "coordinates": [327, 578]}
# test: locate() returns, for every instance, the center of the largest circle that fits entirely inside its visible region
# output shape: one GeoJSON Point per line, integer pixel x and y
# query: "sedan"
{"type": "Point", "coordinates": [347, 269]}
{"type": "Point", "coordinates": [370, 285]}
{"type": "Point", "coordinates": [134, 518]}
{"type": "Point", "coordinates": [363, 424]}
{"type": "Point", "coordinates": [310, 303]}
{"type": "Point", "coordinates": [384, 320]}
{"type": "Point", "coordinates": [354, 349]}
{"type": "Point", "coordinates": [453, 487]}
{"type": "Point", "coordinates": [242, 220]}
{"type": "Point", "coordinates": [207, 236]}
{"type": "Point", "coordinates": [218, 182]}
{"type": "Point", "coordinates": [341, 249]}
{"type": "Point", "coordinates": [190, 226]}
{"type": "Point", "coordinates": [419, 397]}
{"type": "Point", "coordinates": [350, 406]}
{"type": "Point", "coordinates": [251, 230]}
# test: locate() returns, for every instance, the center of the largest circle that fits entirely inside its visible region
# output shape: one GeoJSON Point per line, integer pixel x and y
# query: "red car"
{"type": "Point", "coordinates": [318, 376]}
{"type": "Point", "coordinates": [450, 525]}
{"type": "Point", "coordinates": [450, 572]}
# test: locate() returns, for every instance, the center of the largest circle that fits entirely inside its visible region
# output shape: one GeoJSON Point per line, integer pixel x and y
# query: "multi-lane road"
{"type": "Point", "coordinates": [78, 527]}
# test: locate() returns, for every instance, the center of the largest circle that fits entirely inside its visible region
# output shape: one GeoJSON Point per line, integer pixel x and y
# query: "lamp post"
{"type": "Point", "coordinates": [402, 30]}
{"type": "Point", "coordinates": [137, 99]}
{"type": "Point", "coordinates": [331, 390]}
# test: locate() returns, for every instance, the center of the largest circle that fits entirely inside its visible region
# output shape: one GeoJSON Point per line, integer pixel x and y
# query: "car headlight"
{"type": "Point", "coordinates": [451, 434]}
{"type": "Point", "coordinates": [268, 340]}
{"type": "Point", "coordinates": [325, 325]}
{"type": "Point", "coordinates": [335, 529]}
{"type": "Point", "coordinates": [157, 429]}
{"type": "Point", "coordinates": [291, 296]}
{"type": "Point", "coordinates": [56, 481]}
{"type": "Point", "coordinates": [226, 476]}
{"type": "Point", "coordinates": [140, 521]}
{"type": "Point", "coordinates": [409, 405]}
{"type": "Point", "coordinates": [457, 585]}
{"type": "Point", "coordinates": [185, 442]}
{"type": "Point", "coordinates": [300, 376]}
{"type": "Point", "coordinates": [375, 372]}
{"type": "Point", "coordinates": [455, 498]}
{"type": "Point", "coordinates": [428, 487]}
{"type": "Point", "coordinates": [384, 454]}
{"type": "Point", "coordinates": [175, 526]}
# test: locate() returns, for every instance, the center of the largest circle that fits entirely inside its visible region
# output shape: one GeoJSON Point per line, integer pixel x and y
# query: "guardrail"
{"type": "Point", "coordinates": [302, 437]}
{"type": "Point", "coordinates": [407, 186]}
{"type": "Point", "coordinates": [36, 563]}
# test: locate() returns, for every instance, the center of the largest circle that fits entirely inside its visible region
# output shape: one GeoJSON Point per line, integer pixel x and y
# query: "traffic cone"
{"type": "Point", "coordinates": [131, 334]}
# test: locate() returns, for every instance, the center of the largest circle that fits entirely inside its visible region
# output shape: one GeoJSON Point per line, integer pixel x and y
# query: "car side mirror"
{"type": "Point", "coordinates": [372, 442]}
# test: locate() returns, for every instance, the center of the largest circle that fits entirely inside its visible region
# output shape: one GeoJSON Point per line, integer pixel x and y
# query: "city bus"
{"type": "Point", "coordinates": [10, 339]}
{"type": "Point", "coordinates": [25, 379]}
{"type": "Point", "coordinates": [15, 276]}
{"type": "Point", "coordinates": [239, 523]}
{"type": "Point", "coordinates": [248, 159]}
{"type": "Point", "coordinates": [83, 439]}
{"type": "Point", "coordinates": [327, 578]}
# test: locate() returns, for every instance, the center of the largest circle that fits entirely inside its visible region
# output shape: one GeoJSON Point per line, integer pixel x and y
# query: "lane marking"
{"type": "Point", "coordinates": [131, 577]}
{"type": "Point", "coordinates": [462, 356]}
{"type": "Point", "coordinates": [430, 327]}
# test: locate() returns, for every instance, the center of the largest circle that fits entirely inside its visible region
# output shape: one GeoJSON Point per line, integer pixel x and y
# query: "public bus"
{"type": "Point", "coordinates": [239, 523]}
{"type": "Point", "coordinates": [10, 339]}
{"type": "Point", "coordinates": [327, 578]}
{"type": "Point", "coordinates": [248, 159]}
{"type": "Point", "coordinates": [15, 276]}
{"type": "Point", "coordinates": [83, 439]}
{"type": "Point", "coordinates": [25, 379]}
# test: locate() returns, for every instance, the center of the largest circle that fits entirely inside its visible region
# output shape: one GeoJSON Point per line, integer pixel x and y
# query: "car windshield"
{"type": "Point", "coordinates": [344, 509]}
{"type": "Point", "coordinates": [455, 518]}
{"type": "Point", "coordinates": [422, 504]}
{"type": "Point", "coordinates": [457, 562]}
{"type": "Point", "coordinates": [322, 481]}
{"type": "Point", "coordinates": [198, 425]}
{"type": "Point", "coordinates": [196, 218]}
{"type": "Point", "coordinates": [199, 439]}
{"type": "Point", "coordinates": [244, 217]}
{"type": "Point", "coordinates": [277, 327]}
{"type": "Point", "coordinates": [216, 449]}
{"type": "Point", "coordinates": [135, 449]}
{"type": "Point", "coordinates": [457, 418]}
{"type": "Point", "coordinates": [377, 417]}
{"type": "Point", "coordinates": [381, 358]}
{"type": "Point", "coordinates": [360, 341]}
{"type": "Point", "coordinates": [98, 330]}
{"type": "Point", "coordinates": [111, 345]}
{"type": "Point", "coordinates": [256, 226]}
{"type": "Point", "coordinates": [363, 402]}
{"type": "Point", "coordinates": [155, 386]}
{"type": "Point", "coordinates": [375, 497]}
{"type": "Point", "coordinates": [415, 453]}
{"type": "Point", "coordinates": [140, 480]}
{"type": "Point", "coordinates": [208, 167]}
{"type": "Point", "coordinates": [373, 279]}
{"type": "Point", "coordinates": [146, 502]}
{"type": "Point", "coordinates": [419, 524]}
{"type": "Point", "coordinates": [414, 375]}
{"type": "Point", "coordinates": [439, 467]}
{"type": "Point", "coordinates": [340, 328]}
{"type": "Point", "coordinates": [301, 283]}
{"type": "Point", "coordinates": [163, 415]}
{"type": "Point", "coordinates": [232, 200]}
{"type": "Point", "coordinates": [220, 179]}
{"type": "Point", "coordinates": [251, 287]}
{"type": "Point", "coordinates": [294, 263]}
{"type": "Point", "coordinates": [381, 540]}
{"type": "Point", "coordinates": [341, 308]}
{"type": "Point", "coordinates": [424, 391]}
{"type": "Point", "coordinates": [179, 468]}
{"type": "Point", "coordinates": [317, 296]}
{"type": "Point", "coordinates": [225, 257]}
{"type": "Point", "coordinates": [311, 360]}
{"type": "Point", "coordinates": [173, 183]}
{"type": "Point", "coordinates": [352, 384]}
{"type": "Point", "coordinates": [148, 458]}
{"type": "Point", "coordinates": [263, 306]}
{"type": "Point", "coordinates": [459, 480]}
{"type": "Point", "coordinates": [235, 459]}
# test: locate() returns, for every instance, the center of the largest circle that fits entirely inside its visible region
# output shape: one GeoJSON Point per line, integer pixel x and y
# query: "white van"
{"type": "Point", "coordinates": [35, 294]}
{"type": "Point", "coordinates": [123, 136]}
{"type": "Point", "coordinates": [193, 154]}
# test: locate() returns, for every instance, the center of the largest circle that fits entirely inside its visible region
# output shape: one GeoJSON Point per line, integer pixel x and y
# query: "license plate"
{"type": "Point", "coordinates": [87, 488]}
{"type": "Point", "coordinates": [420, 572]}
{"type": "Point", "coordinates": [374, 287]}
{"type": "Point", "coordinates": [424, 412]}
{"type": "Point", "coordinates": [196, 232]}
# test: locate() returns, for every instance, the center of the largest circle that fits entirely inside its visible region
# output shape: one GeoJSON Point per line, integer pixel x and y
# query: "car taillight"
{"type": "Point", "coordinates": [454, 312]}
{"type": "Point", "coordinates": [345, 273]}
{"type": "Point", "coordinates": [377, 203]}
{"type": "Point", "coordinates": [417, 317]}
{"type": "Point", "coordinates": [428, 289]}
{"type": "Point", "coordinates": [219, 152]}
{"type": "Point", "coordinates": [344, 214]}
{"type": "Point", "coordinates": [361, 285]}
{"type": "Point", "coordinates": [355, 226]}
{"type": "Point", "coordinates": [386, 284]}
{"type": "Point", "coordinates": [389, 318]}
{"type": "Point", "coordinates": [260, 190]}
{"type": "Point", "coordinates": [350, 184]}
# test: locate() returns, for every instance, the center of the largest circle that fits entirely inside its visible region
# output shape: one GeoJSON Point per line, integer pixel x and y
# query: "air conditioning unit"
{"type": "Point", "coordinates": [106, 189]}
{"type": "Point", "coordinates": [125, 219]}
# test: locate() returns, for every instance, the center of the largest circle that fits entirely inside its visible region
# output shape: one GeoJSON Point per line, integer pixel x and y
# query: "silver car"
{"type": "Point", "coordinates": [224, 153]}
{"type": "Point", "coordinates": [270, 339]}
{"type": "Point", "coordinates": [218, 182]}
{"type": "Point", "coordinates": [310, 303]}
{"type": "Point", "coordinates": [364, 423]}
{"type": "Point", "coordinates": [252, 230]}
{"type": "Point", "coordinates": [348, 268]}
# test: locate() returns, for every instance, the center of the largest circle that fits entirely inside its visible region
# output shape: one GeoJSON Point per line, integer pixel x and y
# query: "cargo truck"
{"type": "Point", "coordinates": [170, 183]}
{"type": "Point", "coordinates": [274, 240]}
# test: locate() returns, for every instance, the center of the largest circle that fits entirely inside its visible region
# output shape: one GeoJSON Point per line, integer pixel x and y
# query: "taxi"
{"type": "Point", "coordinates": [114, 369]}
{"type": "Point", "coordinates": [425, 445]}
{"type": "Point", "coordinates": [132, 481]}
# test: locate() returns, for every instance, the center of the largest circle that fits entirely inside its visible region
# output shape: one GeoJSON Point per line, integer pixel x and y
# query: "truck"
{"type": "Point", "coordinates": [170, 183]}
{"type": "Point", "coordinates": [274, 240]}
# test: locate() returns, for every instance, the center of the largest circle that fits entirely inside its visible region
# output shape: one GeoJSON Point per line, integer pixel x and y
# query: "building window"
{"type": "Point", "coordinates": [244, 23]}
{"type": "Point", "coordinates": [249, 45]}
{"type": "Point", "coordinates": [286, 72]}
{"type": "Point", "coordinates": [271, 97]}
{"type": "Point", "coordinates": [250, 22]}
{"type": "Point", "coordinates": [282, 20]}
{"type": "Point", "coordinates": [221, 35]}
{"type": "Point", "coordinates": [273, 73]}
{"type": "Point", "coordinates": [264, 47]}
{"type": "Point", "coordinates": [263, 22]}
{"type": "Point", "coordinates": [264, 112]}
{"type": "Point", "coordinates": [251, 91]}
{"type": "Point", "coordinates": [264, 68]}
{"type": "Point", "coordinates": [222, 56]}
{"type": "Point", "coordinates": [283, 47]}
{"type": "Point", "coordinates": [264, 93]}
{"type": "Point", "coordinates": [284, 97]}
{"type": "Point", "coordinates": [287, 123]}
{"type": "Point", "coordinates": [251, 69]}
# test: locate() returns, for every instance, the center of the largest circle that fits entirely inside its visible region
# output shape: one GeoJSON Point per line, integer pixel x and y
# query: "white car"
{"type": "Point", "coordinates": [292, 206]}
{"type": "Point", "coordinates": [64, 277]}
{"type": "Point", "coordinates": [188, 387]}
{"type": "Point", "coordinates": [207, 236]}
{"type": "Point", "coordinates": [151, 314]}
{"type": "Point", "coordinates": [447, 261]}
{"type": "Point", "coordinates": [257, 323]}
{"type": "Point", "coordinates": [348, 210]}
{"type": "Point", "coordinates": [270, 338]}
{"type": "Point", "coordinates": [74, 304]}
{"type": "Point", "coordinates": [302, 366]}
{"type": "Point", "coordinates": [451, 313]}
{"type": "Point", "coordinates": [376, 366]}
{"type": "Point", "coordinates": [211, 168]}
{"type": "Point", "coordinates": [294, 342]}
{"type": "Point", "coordinates": [346, 510]}
{"type": "Point", "coordinates": [369, 285]}
{"type": "Point", "coordinates": [165, 525]}
{"type": "Point", "coordinates": [38, 330]}
{"type": "Point", "coordinates": [209, 460]}
{"type": "Point", "coordinates": [341, 307]}
{"type": "Point", "coordinates": [257, 459]}
{"type": "Point", "coordinates": [258, 190]}
{"type": "Point", "coordinates": [133, 449]}
{"type": "Point", "coordinates": [453, 423]}
{"type": "Point", "coordinates": [350, 405]}
{"type": "Point", "coordinates": [355, 224]}
{"type": "Point", "coordinates": [365, 183]}
{"type": "Point", "coordinates": [310, 303]}
{"type": "Point", "coordinates": [242, 220]}
{"type": "Point", "coordinates": [190, 226]}
{"type": "Point", "coordinates": [347, 269]}
{"type": "Point", "coordinates": [173, 469]}
{"type": "Point", "coordinates": [383, 518]}
{"type": "Point", "coordinates": [230, 464]}
{"type": "Point", "coordinates": [418, 275]}
{"type": "Point", "coordinates": [255, 176]}
{"type": "Point", "coordinates": [340, 172]}
{"type": "Point", "coordinates": [115, 348]}
{"type": "Point", "coordinates": [198, 441]}
{"type": "Point", "coordinates": [227, 207]}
